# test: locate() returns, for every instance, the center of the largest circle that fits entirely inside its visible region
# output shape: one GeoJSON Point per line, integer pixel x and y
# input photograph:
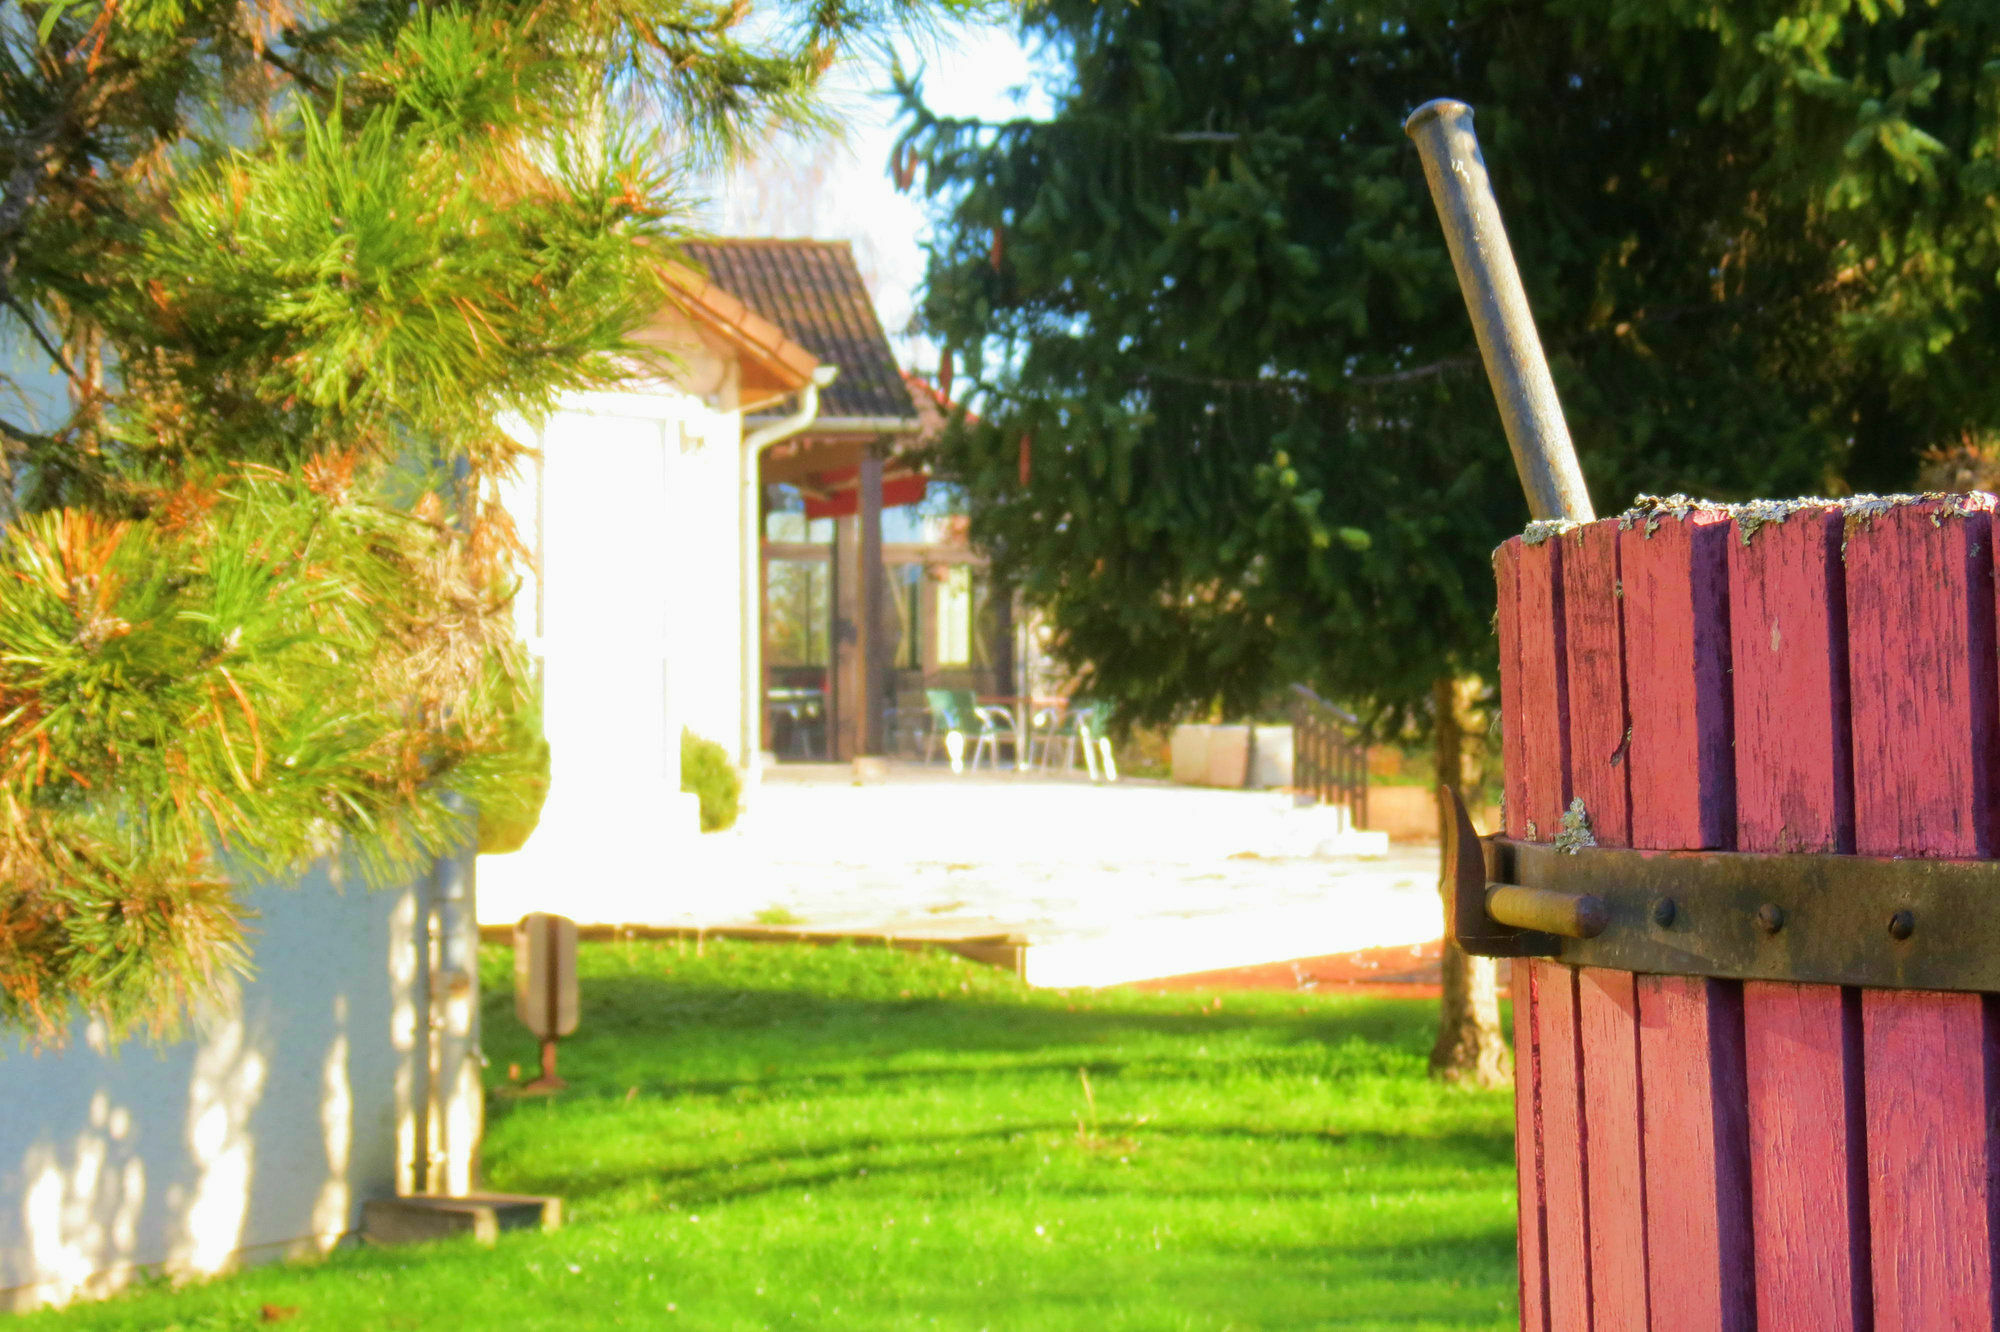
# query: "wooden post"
{"type": "Point", "coordinates": [872, 603]}
{"type": "Point", "coordinates": [843, 664]}
{"type": "Point", "coordinates": [1709, 1154]}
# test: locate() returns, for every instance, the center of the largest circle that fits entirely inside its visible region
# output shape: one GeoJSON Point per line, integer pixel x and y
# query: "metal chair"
{"type": "Point", "coordinates": [996, 728]}
{"type": "Point", "coordinates": [1093, 727]}
{"type": "Point", "coordinates": [952, 715]}
{"type": "Point", "coordinates": [1078, 722]}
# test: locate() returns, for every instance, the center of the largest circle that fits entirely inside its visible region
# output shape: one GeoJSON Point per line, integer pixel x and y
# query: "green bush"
{"type": "Point", "coordinates": [707, 772]}
{"type": "Point", "coordinates": [510, 808]}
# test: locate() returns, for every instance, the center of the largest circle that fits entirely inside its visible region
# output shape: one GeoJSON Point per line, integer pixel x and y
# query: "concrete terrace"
{"type": "Point", "coordinates": [1104, 884]}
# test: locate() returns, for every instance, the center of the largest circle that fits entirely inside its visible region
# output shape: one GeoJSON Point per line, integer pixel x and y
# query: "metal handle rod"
{"type": "Point", "coordinates": [1572, 915]}
{"type": "Point", "coordinates": [1501, 320]}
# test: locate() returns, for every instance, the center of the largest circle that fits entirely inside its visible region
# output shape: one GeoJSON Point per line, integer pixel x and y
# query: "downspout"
{"type": "Point", "coordinates": [750, 533]}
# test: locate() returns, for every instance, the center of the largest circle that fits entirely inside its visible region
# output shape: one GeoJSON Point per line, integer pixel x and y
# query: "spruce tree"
{"type": "Point", "coordinates": [272, 278]}
{"type": "Point", "coordinates": [1231, 427]}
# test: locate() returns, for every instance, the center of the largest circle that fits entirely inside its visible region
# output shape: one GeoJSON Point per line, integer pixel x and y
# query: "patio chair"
{"type": "Point", "coordinates": [1048, 728]}
{"type": "Point", "coordinates": [1093, 726]}
{"type": "Point", "coordinates": [953, 713]}
{"type": "Point", "coordinates": [996, 728]}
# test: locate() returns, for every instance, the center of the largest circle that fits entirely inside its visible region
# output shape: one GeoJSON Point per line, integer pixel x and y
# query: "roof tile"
{"type": "Point", "coordinates": [813, 290]}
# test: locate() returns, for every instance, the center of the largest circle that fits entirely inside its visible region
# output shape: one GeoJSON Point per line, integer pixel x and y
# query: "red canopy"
{"type": "Point", "coordinates": [837, 493]}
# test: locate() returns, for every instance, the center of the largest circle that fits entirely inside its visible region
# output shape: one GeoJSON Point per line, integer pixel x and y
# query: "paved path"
{"type": "Point", "coordinates": [1108, 882]}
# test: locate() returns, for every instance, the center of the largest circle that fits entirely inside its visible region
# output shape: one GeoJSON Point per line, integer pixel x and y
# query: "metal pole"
{"type": "Point", "coordinates": [1499, 307]}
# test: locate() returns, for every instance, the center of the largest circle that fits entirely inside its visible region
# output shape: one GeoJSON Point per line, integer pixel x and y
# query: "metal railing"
{"type": "Point", "coordinates": [1329, 760]}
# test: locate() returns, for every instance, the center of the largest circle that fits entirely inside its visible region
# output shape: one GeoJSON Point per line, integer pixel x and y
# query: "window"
{"type": "Point", "coordinates": [785, 517]}
{"type": "Point", "coordinates": [905, 583]}
{"type": "Point", "coordinates": [955, 629]}
{"type": "Point", "coordinates": [798, 609]}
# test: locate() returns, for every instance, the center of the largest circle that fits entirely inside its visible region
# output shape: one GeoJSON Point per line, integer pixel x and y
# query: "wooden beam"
{"type": "Point", "coordinates": [873, 650]}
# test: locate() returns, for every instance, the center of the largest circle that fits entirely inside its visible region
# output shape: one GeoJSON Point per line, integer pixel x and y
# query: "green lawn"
{"type": "Point", "coordinates": [789, 1136]}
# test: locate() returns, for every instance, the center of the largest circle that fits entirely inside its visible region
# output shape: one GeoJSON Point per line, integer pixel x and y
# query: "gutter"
{"type": "Point", "coordinates": [867, 425]}
{"type": "Point", "coordinates": [750, 565]}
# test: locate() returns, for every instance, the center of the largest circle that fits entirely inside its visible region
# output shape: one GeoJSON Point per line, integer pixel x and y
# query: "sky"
{"type": "Point", "coordinates": [831, 189]}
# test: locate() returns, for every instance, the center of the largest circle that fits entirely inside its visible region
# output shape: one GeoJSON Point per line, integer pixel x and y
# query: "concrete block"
{"type": "Point", "coordinates": [1228, 757]}
{"type": "Point", "coordinates": [1190, 754]}
{"type": "Point", "coordinates": [1271, 757]}
{"type": "Point", "coordinates": [427, 1216]}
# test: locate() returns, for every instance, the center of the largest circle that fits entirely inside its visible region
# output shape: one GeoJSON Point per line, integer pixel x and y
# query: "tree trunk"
{"type": "Point", "coordinates": [1469, 1046]}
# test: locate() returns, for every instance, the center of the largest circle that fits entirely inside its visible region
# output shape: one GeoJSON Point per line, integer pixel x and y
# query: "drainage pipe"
{"type": "Point", "coordinates": [750, 534]}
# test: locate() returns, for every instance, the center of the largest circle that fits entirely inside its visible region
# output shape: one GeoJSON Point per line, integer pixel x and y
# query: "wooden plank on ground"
{"type": "Point", "coordinates": [1922, 676]}
{"type": "Point", "coordinates": [1608, 1018]}
{"type": "Point", "coordinates": [1802, 1043]}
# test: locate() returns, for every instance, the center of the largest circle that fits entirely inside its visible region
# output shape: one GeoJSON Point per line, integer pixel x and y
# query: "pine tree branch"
{"type": "Point", "coordinates": [1449, 365]}
{"type": "Point", "coordinates": [292, 71]}
{"type": "Point", "coordinates": [27, 317]}
{"type": "Point", "coordinates": [28, 149]}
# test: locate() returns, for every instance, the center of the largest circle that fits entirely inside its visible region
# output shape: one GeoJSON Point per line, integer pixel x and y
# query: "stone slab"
{"type": "Point", "coordinates": [422, 1217]}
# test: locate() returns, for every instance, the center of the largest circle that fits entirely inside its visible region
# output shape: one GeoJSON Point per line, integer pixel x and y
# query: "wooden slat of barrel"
{"type": "Point", "coordinates": [1513, 729]}
{"type": "Point", "coordinates": [1788, 634]}
{"type": "Point", "coordinates": [1532, 1236]}
{"type": "Point", "coordinates": [1544, 700]}
{"type": "Point", "coordinates": [1676, 675]}
{"type": "Point", "coordinates": [1920, 641]}
{"type": "Point", "coordinates": [1543, 705]}
{"type": "Point", "coordinates": [1527, 1140]}
{"type": "Point", "coordinates": [1564, 1180]}
{"type": "Point", "coordinates": [1802, 1043]}
{"type": "Point", "coordinates": [1607, 1002]}
{"type": "Point", "coordinates": [1594, 641]}
{"type": "Point", "coordinates": [1690, 1036]}
{"type": "Point", "coordinates": [1806, 1069]}
{"type": "Point", "coordinates": [1608, 1014]}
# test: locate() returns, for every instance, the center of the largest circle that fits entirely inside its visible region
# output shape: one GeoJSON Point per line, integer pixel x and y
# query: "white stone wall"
{"type": "Point", "coordinates": [634, 611]}
{"type": "Point", "coordinates": [261, 1136]}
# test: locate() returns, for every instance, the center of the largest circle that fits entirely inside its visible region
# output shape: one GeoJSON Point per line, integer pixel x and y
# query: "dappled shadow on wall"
{"type": "Point", "coordinates": [259, 1136]}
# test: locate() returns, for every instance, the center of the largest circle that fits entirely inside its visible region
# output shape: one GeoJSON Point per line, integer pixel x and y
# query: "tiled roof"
{"type": "Point", "coordinates": [813, 291]}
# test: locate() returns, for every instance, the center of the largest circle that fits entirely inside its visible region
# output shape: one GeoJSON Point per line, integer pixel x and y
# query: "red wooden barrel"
{"type": "Point", "coordinates": [1702, 1153]}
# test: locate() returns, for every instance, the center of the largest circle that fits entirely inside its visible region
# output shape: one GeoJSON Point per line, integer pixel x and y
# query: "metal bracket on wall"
{"type": "Point", "coordinates": [1838, 920]}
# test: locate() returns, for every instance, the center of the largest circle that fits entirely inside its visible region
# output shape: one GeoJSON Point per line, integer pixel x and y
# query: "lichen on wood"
{"type": "Point", "coordinates": [1857, 511]}
{"type": "Point", "coordinates": [1546, 529]}
{"type": "Point", "coordinates": [1576, 833]}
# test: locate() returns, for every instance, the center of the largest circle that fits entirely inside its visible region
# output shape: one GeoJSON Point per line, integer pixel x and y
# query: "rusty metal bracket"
{"type": "Point", "coordinates": [1837, 920]}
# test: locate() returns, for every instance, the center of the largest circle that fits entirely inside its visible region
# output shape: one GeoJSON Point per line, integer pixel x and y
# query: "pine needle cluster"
{"type": "Point", "coordinates": [275, 275]}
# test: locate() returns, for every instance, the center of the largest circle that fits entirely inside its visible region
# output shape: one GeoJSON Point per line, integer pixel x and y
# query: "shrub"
{"type": "Point", "coordinates": [510, 809]}
{"type": "Point", "coordinates": [707, 772]}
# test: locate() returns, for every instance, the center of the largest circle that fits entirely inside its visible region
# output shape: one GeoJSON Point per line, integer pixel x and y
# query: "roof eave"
{"type": "Point", "coordinates": [788, 366]}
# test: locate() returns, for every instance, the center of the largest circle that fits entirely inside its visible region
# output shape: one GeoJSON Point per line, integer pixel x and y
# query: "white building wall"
{"type": "Point", "coordinates": [259, 1137]}
{"type": "Point", "coordinates": [706, 597]}
{"type": "Point", "coordinates": [631, 509]}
